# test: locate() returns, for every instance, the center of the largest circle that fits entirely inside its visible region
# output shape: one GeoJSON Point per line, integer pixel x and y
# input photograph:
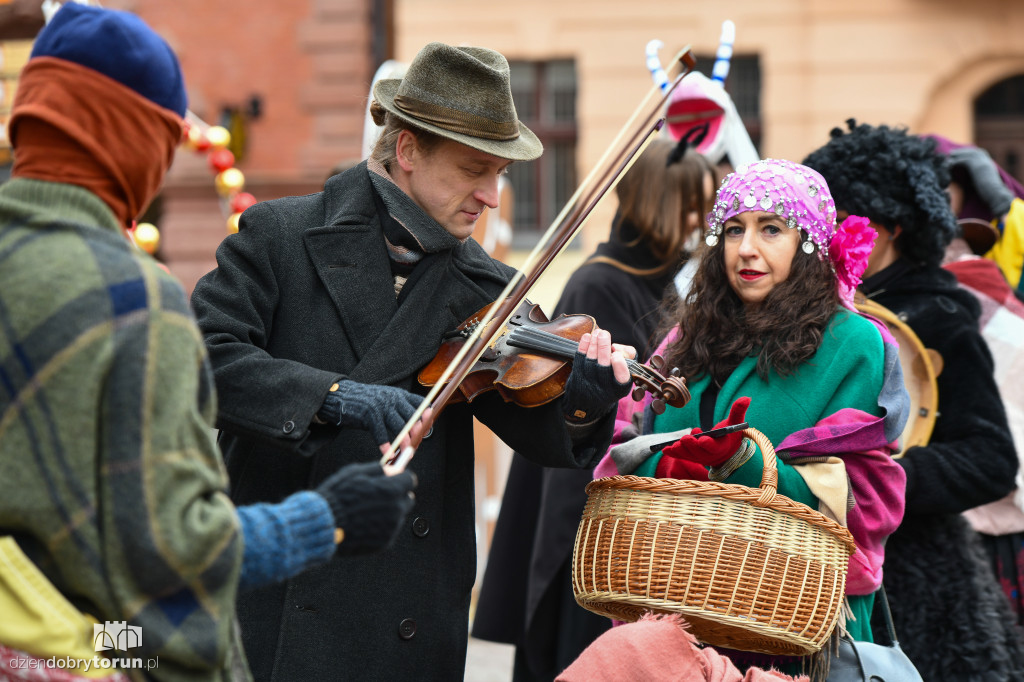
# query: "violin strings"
{"type": "Point", "coordinates": [538, 339]}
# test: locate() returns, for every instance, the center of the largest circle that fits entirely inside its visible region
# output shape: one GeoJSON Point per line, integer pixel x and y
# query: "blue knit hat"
{"type": "Point", "coordinates": [120, 46]}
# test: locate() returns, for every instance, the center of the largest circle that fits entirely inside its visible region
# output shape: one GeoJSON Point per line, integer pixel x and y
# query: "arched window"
{"type": "Point", "coordinates": [999, 123]}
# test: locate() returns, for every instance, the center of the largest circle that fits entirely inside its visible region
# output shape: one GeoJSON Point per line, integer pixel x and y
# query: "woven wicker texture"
{"type": "Point", "coordinates": [749, 569]}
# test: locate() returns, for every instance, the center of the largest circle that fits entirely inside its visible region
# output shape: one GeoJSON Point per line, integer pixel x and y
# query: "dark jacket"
{"type": "Point", "coordinates": [303, 295]}
{"type": "Point", "coordinates": [950, 614]}
{"type": "Point", "coordinates": [526, 596]}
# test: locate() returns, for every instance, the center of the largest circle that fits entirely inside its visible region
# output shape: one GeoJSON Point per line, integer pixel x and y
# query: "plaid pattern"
{"type": "Point", "coordinates": [112, 483]}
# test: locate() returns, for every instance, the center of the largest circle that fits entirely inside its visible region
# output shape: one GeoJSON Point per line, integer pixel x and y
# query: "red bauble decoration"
{"type": "Point", "coordinates": [221, 160]}
{"type": "Point", "coordinates": [242, 201]}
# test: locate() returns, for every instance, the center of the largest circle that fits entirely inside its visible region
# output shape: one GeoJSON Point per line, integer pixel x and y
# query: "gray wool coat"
{"type": "Point", "coordinates": [301, 296]}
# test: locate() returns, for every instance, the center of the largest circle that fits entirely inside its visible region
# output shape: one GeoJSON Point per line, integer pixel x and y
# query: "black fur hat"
{"type": "Point", "coordinates": [894, 179]}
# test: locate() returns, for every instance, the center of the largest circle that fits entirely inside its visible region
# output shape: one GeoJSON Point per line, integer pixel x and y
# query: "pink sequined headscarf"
{"type": "Point", "coordinates": [801, 196]}
{"type": "Point", "coordinates": [791, 191]}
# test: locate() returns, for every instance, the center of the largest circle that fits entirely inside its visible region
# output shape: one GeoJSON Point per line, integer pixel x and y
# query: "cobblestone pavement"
{"type": "Point", "coordinates": [488, 661]}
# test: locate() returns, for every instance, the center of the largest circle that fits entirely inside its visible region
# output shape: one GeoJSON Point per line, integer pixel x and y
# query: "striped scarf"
{"type": "Point", "coordinates": [409, 232]}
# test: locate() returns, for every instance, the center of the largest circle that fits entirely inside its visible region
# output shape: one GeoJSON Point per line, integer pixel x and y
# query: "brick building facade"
{"type": "Point", "coordinates": [290, 78]}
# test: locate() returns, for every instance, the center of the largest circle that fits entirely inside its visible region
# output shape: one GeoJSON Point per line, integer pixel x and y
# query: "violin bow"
{"type": "Point", "coordinates": [628, 143]}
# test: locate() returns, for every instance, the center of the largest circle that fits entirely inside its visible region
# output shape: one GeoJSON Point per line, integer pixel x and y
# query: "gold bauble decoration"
{"type": "Point", "coordinates": [233, 222]}
{"type": "Point", "coordinates": [229, 181]}
{"type": "Point", "coordinates": [195, 140]}
{"type": "Point", "coordinates": [218, 136]}
{"type": "Point", "coordinates": [147, 237]}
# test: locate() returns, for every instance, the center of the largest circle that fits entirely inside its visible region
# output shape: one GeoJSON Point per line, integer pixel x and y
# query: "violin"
{"type": "Point", "coordinates": [530, 358]}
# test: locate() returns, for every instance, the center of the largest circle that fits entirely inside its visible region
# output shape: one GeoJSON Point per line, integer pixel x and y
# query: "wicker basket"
{"type": "Point", "coordinates": [747, 568]}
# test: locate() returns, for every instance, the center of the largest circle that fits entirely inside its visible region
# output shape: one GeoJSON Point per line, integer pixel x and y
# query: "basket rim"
{"type": "Point", "coordinates": [732, 491]}
{"type": "Point", "coordinates": [766, 496]}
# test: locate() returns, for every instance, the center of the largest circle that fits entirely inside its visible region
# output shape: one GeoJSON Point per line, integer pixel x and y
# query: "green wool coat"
{"type": "Point", "coordinates": [111, 482]}
{"type": "Point", "coordinates": [846, 371]}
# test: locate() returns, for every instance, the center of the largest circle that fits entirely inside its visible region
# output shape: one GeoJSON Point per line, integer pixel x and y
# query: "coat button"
{"type": "Point", "coordinates": [407, 628]}
{"type": "Point", "coordinates": [288, 427]}
{"type": "Point", "coordinates": [420, 527]}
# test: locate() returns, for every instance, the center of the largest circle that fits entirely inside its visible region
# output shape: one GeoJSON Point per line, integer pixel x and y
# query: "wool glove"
{"type": "Point", "coordinates": [368, 506]}
{"type": "Point", "coordinates": [381, 410]}
{"type": "Point", "coordinates": [592, 390]}
{"type": "Point", "coordinates": [683, 469]}
{"type": "Point", "coordinates": [707, 451]}
{"type": "Point", "coordinates": [985, 176]}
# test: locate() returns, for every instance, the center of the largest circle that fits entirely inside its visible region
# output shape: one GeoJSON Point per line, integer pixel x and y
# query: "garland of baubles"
{"type": "Point", "coordinates": [228, 180]}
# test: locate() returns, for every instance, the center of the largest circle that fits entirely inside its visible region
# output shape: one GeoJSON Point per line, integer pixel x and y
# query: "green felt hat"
{"type": "Point", "coordinates": [463, 94]}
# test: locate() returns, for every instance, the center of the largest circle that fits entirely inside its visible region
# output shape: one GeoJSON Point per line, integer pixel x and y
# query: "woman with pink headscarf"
{"type": "Point", "coordinates": [768, 334]}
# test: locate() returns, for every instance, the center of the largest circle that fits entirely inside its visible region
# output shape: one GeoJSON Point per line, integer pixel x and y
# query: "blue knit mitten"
{"type": "Point", "coordinates": [381, 410]}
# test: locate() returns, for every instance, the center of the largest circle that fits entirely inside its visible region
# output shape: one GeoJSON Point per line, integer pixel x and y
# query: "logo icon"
{"type": "Point", "coordinates": [117, 635]}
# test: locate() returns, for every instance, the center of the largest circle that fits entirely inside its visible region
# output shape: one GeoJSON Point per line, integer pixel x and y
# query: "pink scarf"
{"type": "Point", "coordinates": [658, 648]}
{"type": "Point", "coordinates": [877, 481]}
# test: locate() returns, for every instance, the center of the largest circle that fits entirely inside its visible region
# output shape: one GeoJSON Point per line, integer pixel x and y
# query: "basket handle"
{"type": "Point", "coordinates": [770, 470]}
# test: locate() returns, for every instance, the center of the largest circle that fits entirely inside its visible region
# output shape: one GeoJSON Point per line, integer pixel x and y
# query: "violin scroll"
{"type": "Point", "coordinates": [668, 390]}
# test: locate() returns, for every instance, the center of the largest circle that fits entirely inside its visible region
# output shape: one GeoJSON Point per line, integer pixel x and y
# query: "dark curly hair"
{"type": "Point", "coordinates": [717, 331]}
{"type": "Point", "coordinates": [894, 179]}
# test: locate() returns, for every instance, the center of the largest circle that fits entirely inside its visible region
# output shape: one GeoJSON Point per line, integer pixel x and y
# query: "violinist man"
{"type": "Point", "coordinates": [318, 318]}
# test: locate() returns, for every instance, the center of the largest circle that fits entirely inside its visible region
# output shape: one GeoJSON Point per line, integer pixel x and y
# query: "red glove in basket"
{"type": "Point", "coordinates": [705, 450]}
